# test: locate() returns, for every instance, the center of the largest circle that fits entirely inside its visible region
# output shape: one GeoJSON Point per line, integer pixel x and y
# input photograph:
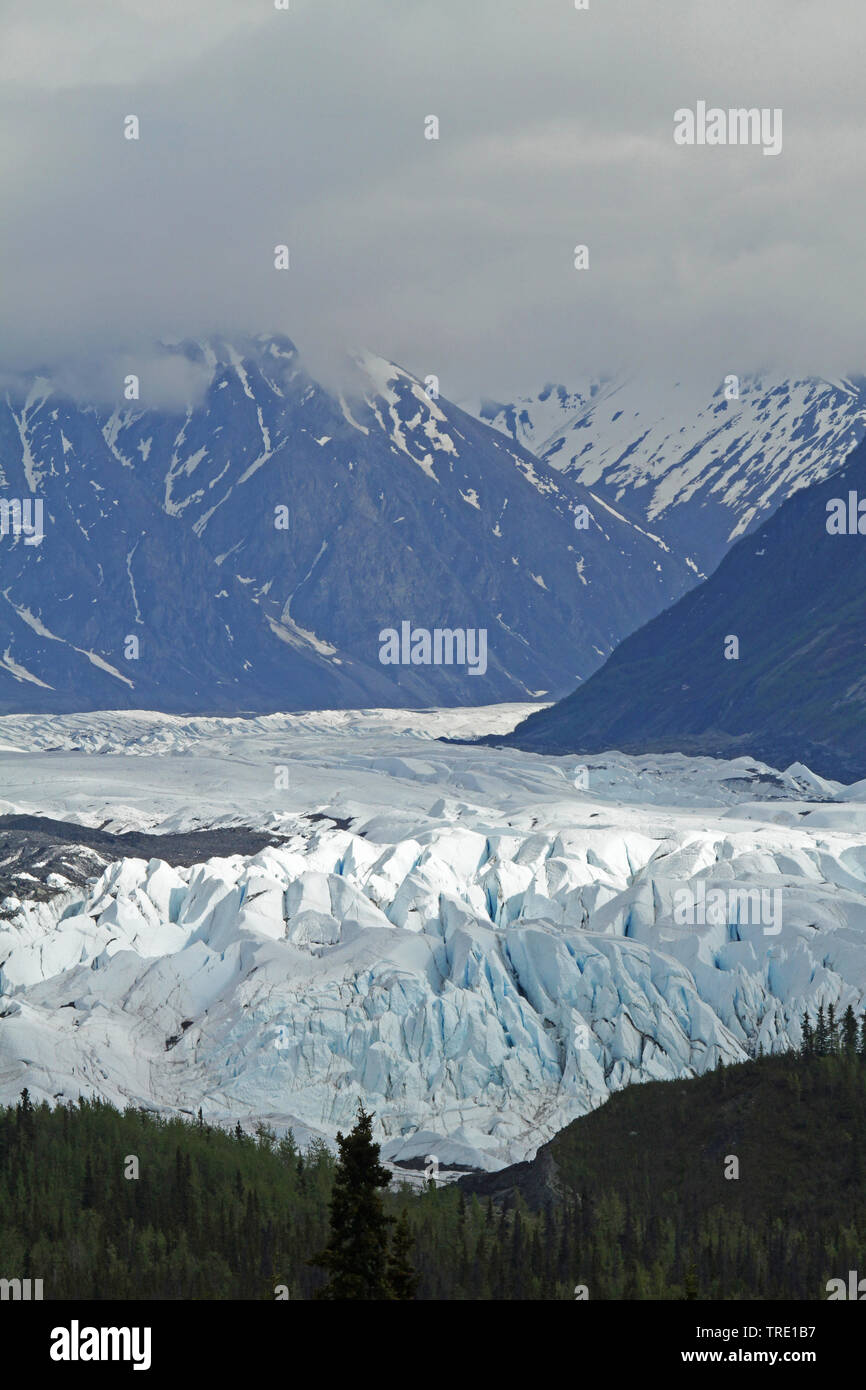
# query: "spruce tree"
{"type": "Point", "coordinates": [24, 1116]}
{"type": "Point", "coordinates": [88, 1191]}
{"type": "Point", "coordinates": [401, 1274]}
{"type": "Point", "coordinates": [849, 1032]}
{"type": "Point", "coordinates": [356, 1256]}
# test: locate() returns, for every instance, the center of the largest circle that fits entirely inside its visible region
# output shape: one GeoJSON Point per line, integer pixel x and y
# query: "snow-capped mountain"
{"type": "Point", "coordinates": [114, 606]}
{"type": "Point", "coordinates": [258, 543]}
{"type": "Point", "coordinates": [481, 943]}
{"type": "Point", "coordinates": [699, 468]}
{"type": "Point", "coordinates": [766, 657]}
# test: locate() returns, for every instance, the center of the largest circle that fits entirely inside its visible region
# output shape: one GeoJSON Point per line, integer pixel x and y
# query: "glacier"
{"type": "Point", "coordinates": [479, 942]}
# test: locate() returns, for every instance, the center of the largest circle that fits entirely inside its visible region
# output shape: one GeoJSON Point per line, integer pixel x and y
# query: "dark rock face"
{"type": "Point", "coordinates": [794, 596]}
{"type": "Point", "coordinates": [33, 849]}
{"type": "Point", "coordinates": [245, 554]}
{"type": "Point", "coordinates": [537, 1181]}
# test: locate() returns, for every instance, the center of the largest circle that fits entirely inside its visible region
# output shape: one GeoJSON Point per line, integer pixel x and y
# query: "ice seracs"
{"type": "Point", "coordinates": [480, 949]}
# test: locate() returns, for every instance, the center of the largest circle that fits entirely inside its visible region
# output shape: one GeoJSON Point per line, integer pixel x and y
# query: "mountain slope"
{"type": "Point", "coordinates": [646, 1185]}
{"type": "Point", "coordinates": [630, 1202]}
{"type": "Point", "coordinates": [258, 543]}
{"type": "Point", "coordinates": [401, 508]}
{"type": "Point", "coordinates": [794, 596]}
{"type": "Point", "coordinates": [112, 566]}
{"type": "Point", "coordinates": [700, 470]}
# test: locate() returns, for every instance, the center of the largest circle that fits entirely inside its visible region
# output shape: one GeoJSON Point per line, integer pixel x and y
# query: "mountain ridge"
{"type": "Point", "coordinates": [793, 595]}
{"type": "Point", "coordinates": [701, 469]}
{"type": "Point", "coordinates": [258, 542]}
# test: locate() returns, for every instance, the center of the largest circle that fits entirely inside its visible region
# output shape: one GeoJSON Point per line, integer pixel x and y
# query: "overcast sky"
{"type": "Point", "coordinates": [454, 256]}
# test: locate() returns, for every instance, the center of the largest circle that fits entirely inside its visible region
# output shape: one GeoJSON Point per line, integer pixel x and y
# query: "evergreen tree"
{"type": "Point", "coordinates": [849, 1032]}
{"type": "Point", "coordinates": [808, 1047]}
{"type": "Point", "coordinates": [647, 1229]}
{"type": "Point", "coordinates": [821, 1033]}
{"type": "Point", "coordinates": [356, 1256]}
{"type": "Point", "coordinates": [24, 1115]}
{"type": "Point", "coordinates": [88, 1191]}
{"type": "Point", "coordinates": [401, 1273]}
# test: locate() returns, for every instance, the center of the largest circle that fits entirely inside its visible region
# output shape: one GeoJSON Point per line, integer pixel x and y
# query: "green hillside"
{"type": "Point", "coordinates": [631, 1201]}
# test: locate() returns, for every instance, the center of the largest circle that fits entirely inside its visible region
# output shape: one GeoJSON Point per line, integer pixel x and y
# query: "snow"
{"type": "Point", "coordinates": [347, 415]}
{"type": "Point", "coordinates": [383, 374]}
{"type": "Point", "coordinates": [106, 666]}
{"type": "Point", "coordinates": [657, 442]}
{"type": "Point", "coordinates": [36, 624]}
{"type": "Point", "coordinates": [129, 559]}
{"type": "Point", "coordinates": [484, 948]}
{"type": "Point", "coordinates": [20, 672]}
{"type": "Point", "coordinates": [30, 618]}
{"type": "Point", "coordinates": [32, 473]}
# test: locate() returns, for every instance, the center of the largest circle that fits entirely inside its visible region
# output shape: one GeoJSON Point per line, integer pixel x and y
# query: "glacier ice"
{"type": "Point", "coordinates": [478, 949]}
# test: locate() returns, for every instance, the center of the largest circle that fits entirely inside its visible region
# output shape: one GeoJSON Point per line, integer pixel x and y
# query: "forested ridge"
{"type": "Point", "coordinates": [635, 1201]}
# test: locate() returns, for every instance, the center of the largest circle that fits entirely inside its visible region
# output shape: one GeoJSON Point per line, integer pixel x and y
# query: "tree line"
{"type": "Point", "coordinates": [101, 1203]}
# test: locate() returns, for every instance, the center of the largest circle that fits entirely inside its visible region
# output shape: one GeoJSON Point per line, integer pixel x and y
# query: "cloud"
{"type": "Point", "coordinates": [453, 256]}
